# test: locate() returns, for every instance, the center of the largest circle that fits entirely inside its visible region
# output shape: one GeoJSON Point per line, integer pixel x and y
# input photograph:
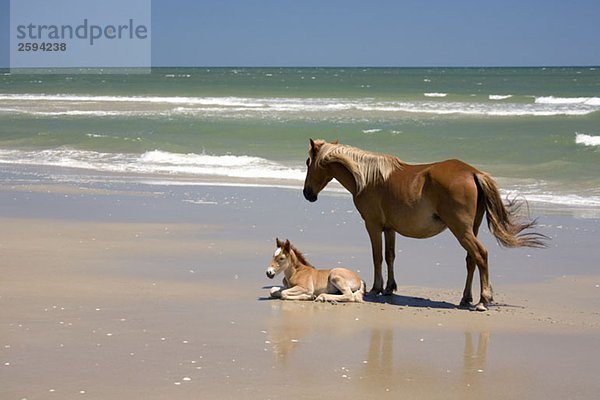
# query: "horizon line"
{"type": "Point", "coordinates": [326, 66]}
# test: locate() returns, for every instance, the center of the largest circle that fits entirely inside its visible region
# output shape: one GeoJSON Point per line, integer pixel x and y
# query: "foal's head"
{"type": "Point", "coordinates": [282, 258]}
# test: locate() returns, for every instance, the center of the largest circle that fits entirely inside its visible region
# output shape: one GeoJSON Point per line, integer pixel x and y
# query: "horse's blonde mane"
{"type": "Point", "coordinates": [366, 167]}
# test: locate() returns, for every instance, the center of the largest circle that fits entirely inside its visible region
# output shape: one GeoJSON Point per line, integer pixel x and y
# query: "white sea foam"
{"type": "Point", "coordinates": [588, 101]}
{"type": "Point", "coordinates": [500, 96]}
{"type": "Point", "coordinates": [206, 101]}
{"type": "Point", "coordinates": [552, 198]}
{"type": "Point", "coordinates": [156, 162]}
{"type": "Point", "coordinates": [568, 200]}
{"type": "Point", "coordinates": [587, 140]}
{"type": "Point", "coordinates": [276, 107]}
{"type": "Point", "coordinates": [368, 131]}
{"type": "Point", "coordinates": [435, 94]}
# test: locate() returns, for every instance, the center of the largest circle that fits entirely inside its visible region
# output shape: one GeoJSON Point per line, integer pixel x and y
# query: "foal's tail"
{"type": "Point", "coordinates": [505, 221]}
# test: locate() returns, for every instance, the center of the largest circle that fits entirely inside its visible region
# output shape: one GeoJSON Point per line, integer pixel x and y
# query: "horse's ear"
{"type": "Point", "coordinates": [315, 147]}
{"type": "Point", "coordinates": [336, 141]}
{"type": "Point", "coordinates": [278, 242]}
{"type": "Point", "coordinates": [286, 246]}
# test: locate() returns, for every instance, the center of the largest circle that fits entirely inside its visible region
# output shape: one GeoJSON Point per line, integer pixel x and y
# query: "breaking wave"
{"type": "Point", "coordinates": [244, 107]}
{"type": "Point", "coordinates": [156, 162]}
{"type": "Point", "coordinates": [587, 140]}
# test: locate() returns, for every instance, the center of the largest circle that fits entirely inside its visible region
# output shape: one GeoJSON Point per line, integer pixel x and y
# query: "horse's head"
{"type": "Point", "coordinates": [317, 174]}
{"type": "Point", "coordinates": [282, 258]}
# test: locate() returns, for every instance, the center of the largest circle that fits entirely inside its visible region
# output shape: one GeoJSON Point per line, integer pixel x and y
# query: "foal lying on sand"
{"type": "Point", "coordinates": [303, 282]}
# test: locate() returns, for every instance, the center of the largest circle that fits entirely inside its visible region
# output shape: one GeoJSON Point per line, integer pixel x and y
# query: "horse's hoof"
{"type": "Point", "coordinates": [481, 307]}
{"type": "Point", "coordinates": [465, 304]}
{"type": "Point", "coordinates": [390, 288]}
{"type": "Point", "coordinates": [374, 292]}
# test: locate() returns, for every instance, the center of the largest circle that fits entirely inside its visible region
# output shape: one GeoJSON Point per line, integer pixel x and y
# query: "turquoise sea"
{"type": "Point", "coordinates": [537, 130]}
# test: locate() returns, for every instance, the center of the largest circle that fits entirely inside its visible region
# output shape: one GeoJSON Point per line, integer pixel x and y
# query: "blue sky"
{"type": "Point", "coordinates": [374, 33]}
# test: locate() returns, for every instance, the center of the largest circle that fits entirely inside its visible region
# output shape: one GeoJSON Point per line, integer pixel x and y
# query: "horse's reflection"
{"type": "Point", "coordinates": [474, 364]}
{"type": "Point", "coordinates": [407, 367]}
{"type": "Point", "coordinates": [385, 355]}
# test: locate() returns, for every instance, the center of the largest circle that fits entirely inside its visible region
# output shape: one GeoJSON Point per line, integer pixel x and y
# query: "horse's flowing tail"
{"type": "Point", "coordinates": [505, 221]}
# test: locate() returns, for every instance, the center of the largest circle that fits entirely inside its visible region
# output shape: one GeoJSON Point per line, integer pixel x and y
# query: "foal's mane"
{"type": "Point", "coordinates": [300, 256]}
{"type": "Point", "coordinates": [366, 167]}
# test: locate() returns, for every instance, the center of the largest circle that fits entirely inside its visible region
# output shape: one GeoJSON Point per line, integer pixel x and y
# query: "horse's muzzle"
{"type": "Point", "coordinates": [309, 194]}
{"type": "Point", "coordinates": [270, 274]}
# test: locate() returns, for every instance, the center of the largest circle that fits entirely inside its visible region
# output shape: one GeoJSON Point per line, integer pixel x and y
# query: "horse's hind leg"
{"type": "Point", "coordinates": [467, 298]}
{"type": "Point", "coordinates": [478, 255]}
{"type": "Point", "coordinates": [464, 224]}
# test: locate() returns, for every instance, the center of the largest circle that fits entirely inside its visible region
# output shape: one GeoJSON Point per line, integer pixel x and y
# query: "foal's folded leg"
{"type": "Point", "coordinates": [275, 292]}
{"type": "Point", "coordinates": [335, 284]}
{"type": "Point", "coordinates": [296, 293]}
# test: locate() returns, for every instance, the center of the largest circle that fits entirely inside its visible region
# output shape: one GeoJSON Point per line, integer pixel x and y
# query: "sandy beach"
{"type": "Point", "coordinates": [160, 292]}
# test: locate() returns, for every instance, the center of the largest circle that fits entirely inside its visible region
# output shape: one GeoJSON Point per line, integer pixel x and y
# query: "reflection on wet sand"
{"type": "Point", "coordinates": [286, 329]}
{"type": "Point", "coordinates": [386, 355]}
{"type": "Point", "coordinates": [410, 368]}
{"type": "Point", "coordinates": [475, 363]}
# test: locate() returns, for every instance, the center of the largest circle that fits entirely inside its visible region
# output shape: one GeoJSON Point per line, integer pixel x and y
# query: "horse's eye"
{"type": "Point", "coordinates": [308, 162]}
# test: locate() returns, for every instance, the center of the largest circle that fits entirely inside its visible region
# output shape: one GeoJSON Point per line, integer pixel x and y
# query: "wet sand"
{"type": "Point", "coordinates": [160, 292]}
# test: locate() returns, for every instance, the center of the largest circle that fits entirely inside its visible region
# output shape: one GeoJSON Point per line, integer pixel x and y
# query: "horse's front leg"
{"type": "Point", "coordinates": [297, 293]}
{"type": "Point", "coordinates": [275, 291]}
{"type": "Point", "coordinates": [390, 256]}
{"type": "Point", "coordinates": [375, 236]}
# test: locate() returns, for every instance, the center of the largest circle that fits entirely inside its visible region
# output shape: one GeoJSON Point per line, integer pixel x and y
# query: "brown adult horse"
{"type": "Point", "coordinates": [420, 201]}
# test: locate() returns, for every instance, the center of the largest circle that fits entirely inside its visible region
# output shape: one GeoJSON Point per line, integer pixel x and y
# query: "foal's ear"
{"type": "Point", "coordinates": [278, 242]}
{"type": "Point", "coordinates": [286, 246]}
{"type": "Point", "coordinates": [336, 141]}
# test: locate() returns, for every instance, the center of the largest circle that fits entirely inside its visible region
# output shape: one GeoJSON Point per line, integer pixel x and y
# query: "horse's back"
{"type": "Point", "coordinates": [419, 194]}
{"type": "Point", "coordinates": [451, 178]}
{"type": "Point", "coordinates": [453, 168]}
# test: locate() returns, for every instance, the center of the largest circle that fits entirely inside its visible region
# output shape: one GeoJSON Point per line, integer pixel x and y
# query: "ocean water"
{"type": "Point", "coordinates": [537, 130]}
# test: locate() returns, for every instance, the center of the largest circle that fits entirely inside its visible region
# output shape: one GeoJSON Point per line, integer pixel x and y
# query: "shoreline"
{"type": "Point", "coordinates": [124, 291]}
{"type": "Point", "coordinates": [32, 177]}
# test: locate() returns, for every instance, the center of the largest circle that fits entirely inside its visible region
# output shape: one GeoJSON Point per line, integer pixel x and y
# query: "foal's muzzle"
{"type": "Point", "coordinates": [270, 273]}
{"type": "Point", "coordinates": [309, 194]}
